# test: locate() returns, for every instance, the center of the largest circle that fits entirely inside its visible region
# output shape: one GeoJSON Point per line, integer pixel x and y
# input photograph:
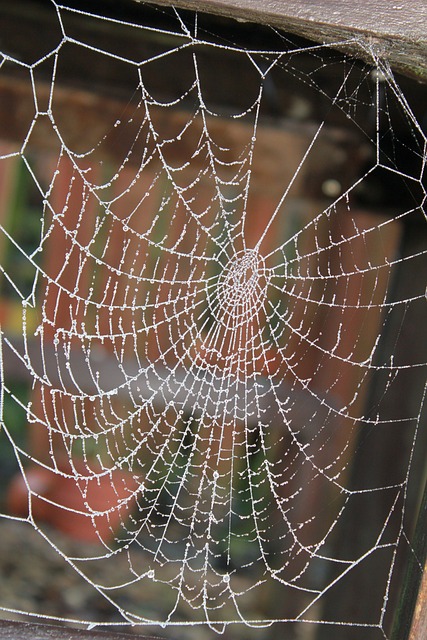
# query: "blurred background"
{"type": "Point", "coordinates": [108, 192]}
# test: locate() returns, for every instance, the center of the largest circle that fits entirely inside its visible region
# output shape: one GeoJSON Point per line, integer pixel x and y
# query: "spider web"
{"type": "Point", "coordinates": [214, 356]}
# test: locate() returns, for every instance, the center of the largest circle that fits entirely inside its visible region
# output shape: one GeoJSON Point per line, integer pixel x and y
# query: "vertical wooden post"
{"type": "Point", "coordinates": [381, 459]}
{"type": "Point", "coordinates": [411, 615]}
{"type": "Point", "coordinates": [419, 622]}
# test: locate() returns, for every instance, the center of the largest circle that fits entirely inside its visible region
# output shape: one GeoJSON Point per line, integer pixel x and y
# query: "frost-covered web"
{"type": "Point", "coordinates": [204, 334]}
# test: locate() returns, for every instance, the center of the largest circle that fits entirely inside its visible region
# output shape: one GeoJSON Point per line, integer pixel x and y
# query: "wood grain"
{"type": "Point", "coordinates": [29, 631]}
{"type": "Point", "coordinates": [397, 31]}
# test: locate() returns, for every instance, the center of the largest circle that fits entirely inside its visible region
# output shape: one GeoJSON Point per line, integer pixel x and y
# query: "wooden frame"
{"type": "Point", "coordinates": [399, 36]}
{"type": "Point", "coordinates": [34, 631]}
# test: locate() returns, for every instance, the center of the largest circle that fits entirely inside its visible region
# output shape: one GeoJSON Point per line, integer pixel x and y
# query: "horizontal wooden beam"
{"type": "Point", "coordinates": [99, 85]}
{"type": "Point", "coordinates": [166, 78]}
{"type": "Point", "coordinates": [397, 31]}
{"type": "Point", "coordinates": [12, 630]}
{"type": "Point", "coordinates": [411, 615]}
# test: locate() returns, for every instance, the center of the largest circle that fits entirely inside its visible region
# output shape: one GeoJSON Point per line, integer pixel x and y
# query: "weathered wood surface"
{"type": "Point", "coordinates": [411, 616]}
{"type": "Point", "coordinates": [419, 622]}
{"type": "Point", "coordinates": [397, 31]}
{"type": "Point", "coordinates": [389, 446]}
{"type": "Point", "coordinates": [92, 90]}
{"type": "Point", "coordinates": [29, 631]}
